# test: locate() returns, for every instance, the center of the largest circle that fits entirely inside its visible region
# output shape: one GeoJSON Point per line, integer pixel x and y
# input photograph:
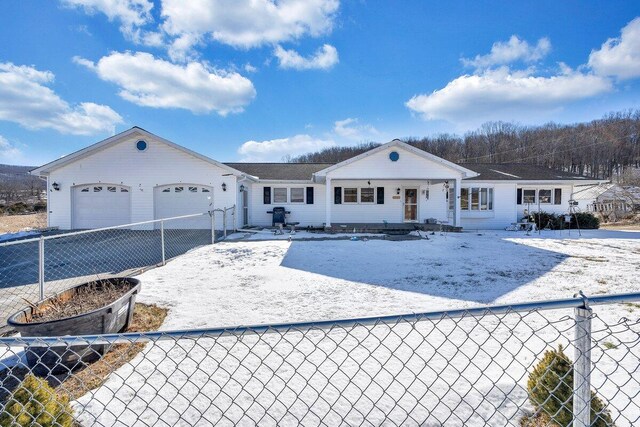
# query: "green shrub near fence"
{"type": "Point", "coordinates": [35, 403]}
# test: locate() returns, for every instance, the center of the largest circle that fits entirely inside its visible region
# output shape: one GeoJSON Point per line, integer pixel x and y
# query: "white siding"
{"type": "Point", "coordinates": [306, 215]}
{"type": "Point", "coordinates": [123, 164]}
{"type": "Point", "coordinates": [408, 166]}
{"type": "Point", "coordinates": [504, 208]}
{"type": "Point", "coordinates": [562, 208]}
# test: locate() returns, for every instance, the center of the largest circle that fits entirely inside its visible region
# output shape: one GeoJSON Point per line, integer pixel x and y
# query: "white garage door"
{"type": "Point", "coordinates": [183, 199]}
{"type": "Point", "coordinates": [100, 205]}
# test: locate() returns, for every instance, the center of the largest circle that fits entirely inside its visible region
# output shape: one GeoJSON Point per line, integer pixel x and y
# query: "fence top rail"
{"type": "Point", "coordinates": [95, 230]}
{"type": "Point", "coordinates": [579, 301]}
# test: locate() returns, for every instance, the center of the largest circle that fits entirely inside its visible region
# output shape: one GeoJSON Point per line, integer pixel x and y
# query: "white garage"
{"type": "Point", "coordinates": [183, 199]}
{"type": "Point", "coordinates": [100, 205]}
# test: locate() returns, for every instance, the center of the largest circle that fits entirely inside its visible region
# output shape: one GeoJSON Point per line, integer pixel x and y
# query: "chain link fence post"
{"type": "Point", "coordinates": [582, 367]}
{"type": "Point", "coordinates": [224, 222]}
{"type": "Point", "coordinates": [41, 267]}
{"type": "Point", "coordinates": [162, 241]}
{"type": "Point", "coordinates": [212, 214]}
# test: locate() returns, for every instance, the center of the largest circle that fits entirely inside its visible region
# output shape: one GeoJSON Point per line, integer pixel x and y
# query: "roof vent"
{"type": "Point", "coordinates": [394, 156]}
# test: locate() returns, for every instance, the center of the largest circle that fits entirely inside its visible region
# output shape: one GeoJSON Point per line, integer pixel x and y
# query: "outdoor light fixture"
{"type": "Point", "coordinates": [369, 183]}
{"type": "Point", "coordinates": [55, 186]}
{"type": "Point", "coordinates": [224, 186]}
{"type": "Point", "coordinates": [398, 191]}
{"type": "Point", "coordinates": [241, 188]}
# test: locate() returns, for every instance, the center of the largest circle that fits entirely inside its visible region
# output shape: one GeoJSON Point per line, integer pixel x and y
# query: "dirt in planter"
{"type": "Point", "coordinates": [87, 298]}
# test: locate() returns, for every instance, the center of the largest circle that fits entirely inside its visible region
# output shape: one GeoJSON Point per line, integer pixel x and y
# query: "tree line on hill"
{"type": "Point", "coordinates": [607, 148]}
{"type": "Point", "coordinates": [17, 185]}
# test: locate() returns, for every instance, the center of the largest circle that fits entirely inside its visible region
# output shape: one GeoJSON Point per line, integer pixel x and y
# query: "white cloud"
{"type": "Point", "coordinates": [132, 14]}
{"type": "Point", "coordinates": [249, 68]}
{"type": "Point", "coordinates": [351, 129]}
{"type": "Point", "coordinates": [150, 82]}
{"type": "Point", "coordinates": [25, 99]}
{"type": "Point", "coordinates": [323, 59]}
{"type": "Point", "coordinates": [506, 95]}
{"type": "Point", "coordinates": [277, 149]}
{"type": "Point", "coordinates": [619, 57]}
{"type": "Point", "coordinates": [510, 51]}
{"type": "Point", "coordinates": [9, 153]}
{"type": "Point", "coordinates": [244, 23]}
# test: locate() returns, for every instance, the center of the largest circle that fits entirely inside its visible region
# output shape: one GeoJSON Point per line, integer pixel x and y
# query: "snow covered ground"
{"type": "Point", "coordinates": [454, 371]}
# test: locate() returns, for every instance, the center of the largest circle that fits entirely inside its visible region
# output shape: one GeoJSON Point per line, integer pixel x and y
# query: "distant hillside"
{"type": "Point", "coordinates": [17, 185]}
{"type": "Point", "coordinates": [608, 148]}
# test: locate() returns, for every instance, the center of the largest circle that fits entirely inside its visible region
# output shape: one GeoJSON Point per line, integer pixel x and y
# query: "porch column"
{"type": "Point", "coordinates": [456, 215]}
{"type": "Point", "coordinates": [327, 203]}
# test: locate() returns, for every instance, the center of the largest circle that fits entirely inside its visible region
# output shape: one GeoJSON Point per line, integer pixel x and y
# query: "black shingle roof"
{"type": "Point", "coordinates": [517, 171]}
{"type": "Point", "coordinates": [284, 171]}
{"type": "Point", "coordinates": [487, 171]}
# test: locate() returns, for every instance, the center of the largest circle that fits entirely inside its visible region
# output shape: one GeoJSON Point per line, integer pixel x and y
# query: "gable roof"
{"type": "Point", "coordinates": [280, 171]}
{"type": "Point", "coordinates": [405, 146]}
{"type": "Point", "coordinates": [106, 143]}
{"type": "Point", "coordinates": [520, 172]}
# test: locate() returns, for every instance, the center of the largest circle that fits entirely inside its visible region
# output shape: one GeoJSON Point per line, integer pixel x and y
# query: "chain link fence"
{"type": "Point", "coordinates": [554, 363]}
{"type": "Point", "coordinates": [32, 269]}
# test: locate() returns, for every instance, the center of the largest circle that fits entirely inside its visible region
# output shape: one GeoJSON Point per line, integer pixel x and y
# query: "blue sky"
{"type": "Point", "coordinates": [242, 80]}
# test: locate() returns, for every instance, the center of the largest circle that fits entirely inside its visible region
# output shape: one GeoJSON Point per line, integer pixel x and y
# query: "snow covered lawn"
{"type": "Point", "coordinates": [458, 372]}
{"type": "Point", "coordinates": [267, 281]}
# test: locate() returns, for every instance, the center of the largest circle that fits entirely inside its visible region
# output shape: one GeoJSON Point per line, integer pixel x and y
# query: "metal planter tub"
{"type": "Point", "coordinates": [112, 318]}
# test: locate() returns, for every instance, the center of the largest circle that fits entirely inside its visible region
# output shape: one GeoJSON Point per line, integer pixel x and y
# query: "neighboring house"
{"type": "Point", "coordinates": [608, 199]}
{"type": "Point", "coordinates": [137, 176]}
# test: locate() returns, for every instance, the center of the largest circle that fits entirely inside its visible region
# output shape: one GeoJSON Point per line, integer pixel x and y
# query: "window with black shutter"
{"type": "Point", "coordinates": [380, 195]}
{"type": "Point", "coordinates": [519, 195]}
{"type": "Point", "coordinates": [309, 195]}
{"type": "Point", "coordinates": [337, 195]}
{"type": "Point", "coordinates": [266, 198]}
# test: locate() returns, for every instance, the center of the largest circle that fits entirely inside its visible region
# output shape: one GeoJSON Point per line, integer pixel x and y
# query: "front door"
{"type": "Point", "coordinates": [410, 204]}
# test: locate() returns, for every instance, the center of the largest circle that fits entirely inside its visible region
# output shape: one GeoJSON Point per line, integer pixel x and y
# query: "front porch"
{"type": "Point", "coordinates": [390, 228]}
{"type": "Point", "coordinates": [392, 204]}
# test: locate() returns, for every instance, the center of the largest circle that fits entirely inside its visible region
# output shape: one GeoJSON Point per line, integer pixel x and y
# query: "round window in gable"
{"type": "Point", "coordinates": [394, 156]}
{"type": "Point", "coordinates": [141, 145]}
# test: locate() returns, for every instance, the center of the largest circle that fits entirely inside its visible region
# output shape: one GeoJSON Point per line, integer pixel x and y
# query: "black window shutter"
{"type": "Point", "coordinates": [337, 195]}
{"type": "Point", "coordinates": [266, 195]}
{"type": "Point", "coordinates": [557, 199]}
{"type": "Point", "coordinates": [380, 195]}
{"type": "Point", "coordinates": [309, 195]}
{"type": "Point", "coordinates": [519, 195]}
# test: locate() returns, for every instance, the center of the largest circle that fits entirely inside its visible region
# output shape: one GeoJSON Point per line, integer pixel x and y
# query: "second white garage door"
{"type": "Point", "coordinates": [183, 199]}
{"type": "Point", "coordinates": [100, 205]}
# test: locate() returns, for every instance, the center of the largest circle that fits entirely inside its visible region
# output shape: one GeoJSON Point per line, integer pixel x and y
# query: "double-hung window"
{"type": "Point", "coordinates": [545, 196]}
{"type": "Point", "coordinates": [367, 195]}
{"type": "Point", "coordinates": [350, 195]}
{"type": "Point", "coordinates": [280, 195]}
{"type": "Point", "coordinates": [528, 196]}
{"type": "Point", "coordinates": [297, 195]}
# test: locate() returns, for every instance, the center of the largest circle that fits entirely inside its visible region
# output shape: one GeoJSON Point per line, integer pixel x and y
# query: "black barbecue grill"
{"type": "Point", "coordinates": [279, 215]}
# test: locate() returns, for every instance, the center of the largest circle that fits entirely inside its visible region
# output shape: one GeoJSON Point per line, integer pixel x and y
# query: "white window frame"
{"type": "Point", "coordinates": [535, 196]}
{"type": "Point", "coordinates": [286, 195]}
{"type": "Point", "coordinates": [344, 193]}
{"type": "Point", "coordinates": [373, 193]}
{"type": "Point", "coordinates": [490, 199]}
{"type": "Point", "coordinates": [291, 195]}
{"type": "Point", "coordinates": [550, 190]}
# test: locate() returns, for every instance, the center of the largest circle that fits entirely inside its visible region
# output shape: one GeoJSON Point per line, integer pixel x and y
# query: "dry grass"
{"type": "Point", "coordinates": [146, 318]}
{"type": "Point", "coordinates": [15, 223]}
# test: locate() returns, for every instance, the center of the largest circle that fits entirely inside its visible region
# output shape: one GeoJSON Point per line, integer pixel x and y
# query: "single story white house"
{"type": "Point", "coordinates": [137, 176]}
{"type": "Point", "coordinates": [608, 199]}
